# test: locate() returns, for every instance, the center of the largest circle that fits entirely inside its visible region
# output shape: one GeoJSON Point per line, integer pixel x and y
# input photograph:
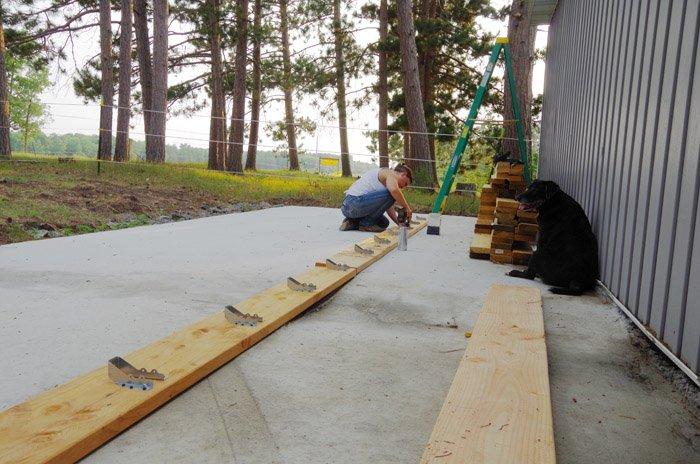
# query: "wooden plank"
{"type": "Point", "coordinates": [506, 205]}
{"type": "Point", "coordinates": [71, 420]}
{"type": "Point", "coordinates": [498, 408]}
{"type": "Point", "coordinates": [501, 255]}
{"type": "Point", "coordinates": [481, 244]}
{"type": "Point", "coordinates": [360, 261]}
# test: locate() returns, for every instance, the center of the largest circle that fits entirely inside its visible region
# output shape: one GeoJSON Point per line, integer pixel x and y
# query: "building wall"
{"type": "Point", "coordinates": [621, 134]}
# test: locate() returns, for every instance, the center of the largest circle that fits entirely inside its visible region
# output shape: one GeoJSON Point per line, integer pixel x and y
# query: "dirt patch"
{"type": "Point", "coordinates": [52, 210]}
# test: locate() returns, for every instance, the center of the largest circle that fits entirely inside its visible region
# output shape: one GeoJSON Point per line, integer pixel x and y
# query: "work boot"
{"type": "Point", "coordinates": [374, 228]}
{"type": "Point", "coordinates": [348, 224]}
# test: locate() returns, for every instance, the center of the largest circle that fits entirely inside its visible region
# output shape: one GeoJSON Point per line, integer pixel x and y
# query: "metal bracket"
{"type": "Point", "coordinates": [127, 376]}
{"type": "Point", "coordinates": [236, 317]}
{"type": "Point", "coordinates": [330, 264]}
{"type": "Point", "coordinates": [380, 240]}
{"type": "Point", "coordinates": [297, 286]}
{"type": "Point", "coordinates": [363, 251]}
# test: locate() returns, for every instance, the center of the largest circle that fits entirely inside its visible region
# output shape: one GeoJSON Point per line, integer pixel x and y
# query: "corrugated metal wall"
{"type": "Point", "coordinates": [621, 134]}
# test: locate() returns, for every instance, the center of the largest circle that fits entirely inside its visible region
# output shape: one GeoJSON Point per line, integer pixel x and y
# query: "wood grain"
{"type": "Point", "coordinates": [498, 408]}
{"type": "Point", "coordinates": [481, 244]}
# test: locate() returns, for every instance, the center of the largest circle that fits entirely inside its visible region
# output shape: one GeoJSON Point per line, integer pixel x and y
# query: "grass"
{"type": "Point", "coordinates": [85, 196]}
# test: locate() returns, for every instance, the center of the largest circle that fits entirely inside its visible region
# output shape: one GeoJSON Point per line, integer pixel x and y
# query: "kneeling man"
{"type": "Point", "coordinates": [372, 195]}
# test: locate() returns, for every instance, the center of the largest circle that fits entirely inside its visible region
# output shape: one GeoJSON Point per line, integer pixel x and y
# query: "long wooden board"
{"type": "Point", "coordinates": [361, 261]}
{"type": "Point", "coordinates": [498, 408]}
{"type": "Point", "coordinates": [69, 421]}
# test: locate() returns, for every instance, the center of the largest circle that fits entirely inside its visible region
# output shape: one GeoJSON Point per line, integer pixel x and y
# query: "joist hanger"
{"type": "Point", "coordinates": [363, 251]}
{"type": "Point", "coordinates": [381, 241]}
{"type": "Point", "coordinates": [332, 265]}
{"type": "Point", "coordinates": [127, 376]}
{"type": "Point", "coordinates": [235, 317]}
{"type": "Point", "coordinates": [297, 286]}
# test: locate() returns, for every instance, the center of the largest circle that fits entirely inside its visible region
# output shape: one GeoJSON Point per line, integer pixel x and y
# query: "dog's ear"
{"type": "Point", "coordinates": [550, 190]}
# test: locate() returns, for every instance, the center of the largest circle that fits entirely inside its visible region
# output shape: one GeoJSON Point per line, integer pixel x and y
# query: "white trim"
{"type": "Point", "coordinates": [686, 370]}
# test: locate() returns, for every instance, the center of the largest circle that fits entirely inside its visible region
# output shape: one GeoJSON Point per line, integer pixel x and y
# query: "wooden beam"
{"type": "Point", "coordinates": [360, 261]}
{"type": "Point", "coordinates": [498, 408]}
{"type": "Point", "coordinates": [71, 420]}
{"type": "Point", "coordinates": [480, 247]}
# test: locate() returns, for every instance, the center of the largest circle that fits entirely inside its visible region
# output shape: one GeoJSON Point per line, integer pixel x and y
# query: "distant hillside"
{"type": "Point", "coordinates": [86, 145]}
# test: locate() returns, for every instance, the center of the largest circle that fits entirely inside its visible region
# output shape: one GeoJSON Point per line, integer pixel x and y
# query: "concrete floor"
{"type": "Point", "coordinates": [360, 378]}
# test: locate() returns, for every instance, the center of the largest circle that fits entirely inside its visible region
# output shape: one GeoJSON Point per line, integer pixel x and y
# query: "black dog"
{"type": "Point", "coordinates": [567, 251]}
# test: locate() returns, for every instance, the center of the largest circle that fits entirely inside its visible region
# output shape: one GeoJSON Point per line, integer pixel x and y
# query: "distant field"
{"type": "Point", "coordinates": [41, 197]}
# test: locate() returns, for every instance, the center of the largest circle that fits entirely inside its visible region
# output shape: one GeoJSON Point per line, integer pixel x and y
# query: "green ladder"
{"type": "Point", "coordinates": [467, 128]}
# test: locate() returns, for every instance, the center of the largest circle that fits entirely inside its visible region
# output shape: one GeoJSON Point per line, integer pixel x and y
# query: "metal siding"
{"type": "Point", "coordinates": [621, 165]}
{"type": "Point", "coordinates": [640, 98]}
{"type": "Point", "coordinates": [621, 134]}
{"type": "Point", "coordinates": [681, 184]}
{"type": "Point", "coordinates": [648, 154]}
{"type": "Point", "coordinates": [611, 179]}
{"type": "Point", "coordinates": [649, 283]}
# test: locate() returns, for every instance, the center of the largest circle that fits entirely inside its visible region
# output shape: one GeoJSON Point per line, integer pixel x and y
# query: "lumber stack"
{"type": "Point", "coordinates": [504, 233]}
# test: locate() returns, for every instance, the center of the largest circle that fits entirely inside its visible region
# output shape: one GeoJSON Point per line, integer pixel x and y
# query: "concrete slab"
{"type": "Point", "coordinates": [361, 378]}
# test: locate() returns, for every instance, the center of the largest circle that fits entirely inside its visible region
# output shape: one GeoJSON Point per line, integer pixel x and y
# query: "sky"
{"type": "Point", "coordinates": [69, 114]}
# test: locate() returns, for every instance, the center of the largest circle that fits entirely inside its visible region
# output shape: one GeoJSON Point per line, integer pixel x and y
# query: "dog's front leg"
{"type": "Point", "coordinates": [526, 274]}
{"type": "Point", "coordinates": [530, 273]}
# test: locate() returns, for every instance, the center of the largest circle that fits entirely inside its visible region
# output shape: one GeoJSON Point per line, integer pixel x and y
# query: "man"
{"type": "Point", "coordinates": [372, 195]}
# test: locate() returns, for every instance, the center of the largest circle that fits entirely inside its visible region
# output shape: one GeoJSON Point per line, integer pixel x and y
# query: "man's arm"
{"type": "Point", "coordinates": [393, 186]}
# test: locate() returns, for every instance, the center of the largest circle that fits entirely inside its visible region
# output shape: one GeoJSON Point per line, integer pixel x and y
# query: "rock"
{"type": "Point", "coordinates": [54, 234]}
{"type": "Point", "coordinates": [39, 233]}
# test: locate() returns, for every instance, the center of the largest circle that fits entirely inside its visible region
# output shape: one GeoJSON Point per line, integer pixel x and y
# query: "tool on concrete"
{"type": "Point", "coordinates": [404, 225]}
{"type": "Point", "coordinates": [501, 44]}
{"type": "Point", "coordinates": [380, 240]}
{"type": "Point", "coordinates": [127, 376]}
{"type": "Point", "coordinates": [363, 251]}
{"type": "Point", "coordinates": [297, 286]}
{"type": "Point", "coordinates": [236, 317]}
{"type": "Point", "coordinates": [330, 264]}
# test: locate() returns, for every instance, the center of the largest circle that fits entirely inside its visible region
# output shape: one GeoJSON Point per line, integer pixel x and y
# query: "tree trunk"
{"type": "Point", "coordinates": [420, 149]}
{"type": "Point", "coordinates": [426, 63]}
{"type": "Point", "coordinates": [383, 136]}
{"type": "Point", "coordinates": [234, 161]}
{"type": "Point", "coordinates": [160, 80]}
{"type": "Point", "coordinates": [338, 36]}
{"type": "Point", "coordinates": [217, 124]}
{"type": "Point", "coordinates": [250, 160]}
{"type": "Point", "coordinates": [143, 51]}
{"type": "Point", "coordinates": [5, 148]}
{"type": "Point", "coordinates": [521, 39]}
{"type": "Point", "coordinates": [104, 150]}
{"type": "Point", "coordinates": [288, 88]}
{"type": "Point", "coordinates": [121, 149]}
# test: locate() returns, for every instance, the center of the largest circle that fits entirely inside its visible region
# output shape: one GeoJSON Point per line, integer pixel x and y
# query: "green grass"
{"type": "Point", "coordinates": [81, 196]}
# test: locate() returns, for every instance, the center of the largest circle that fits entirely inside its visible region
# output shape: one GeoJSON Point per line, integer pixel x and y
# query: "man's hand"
{"type": "Point", "coordinates": [409, 214]}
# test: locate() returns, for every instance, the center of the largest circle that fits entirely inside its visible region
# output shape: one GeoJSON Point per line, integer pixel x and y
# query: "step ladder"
{"type": "Point", "coordinates": [468, 126]}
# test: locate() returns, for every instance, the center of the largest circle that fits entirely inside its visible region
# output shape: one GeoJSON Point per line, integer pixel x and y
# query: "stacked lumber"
{"type": "Point", "coordinates": [525, 236]}
{"type": "Point", "coordinates": [503, 233]}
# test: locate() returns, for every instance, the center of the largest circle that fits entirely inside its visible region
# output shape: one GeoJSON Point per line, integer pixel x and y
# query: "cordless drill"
{"type": "Point", "coordinates": [402, 217]}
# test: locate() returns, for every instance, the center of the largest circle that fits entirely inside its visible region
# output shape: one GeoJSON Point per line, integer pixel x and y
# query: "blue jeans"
{"type": "Point", "coordinates": [369, 208]}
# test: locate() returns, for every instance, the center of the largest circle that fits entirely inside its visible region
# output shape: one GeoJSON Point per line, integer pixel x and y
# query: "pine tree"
{"type": "Point", "coordinates": [121, 149]}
